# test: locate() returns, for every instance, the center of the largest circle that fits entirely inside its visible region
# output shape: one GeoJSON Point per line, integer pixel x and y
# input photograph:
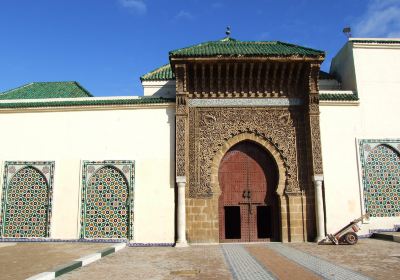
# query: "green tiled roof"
{"type": "Point", "coordinates": [46, 90]}
{"type": "Point", "coordinates": [338, 97]}
{"type": "Point", "coordinates": [72, 103]}
{"type": "Point", "coordinates": [231, 47]}
{"type": "Point", "coordinates": [375, 41]}
{"type": "Point", "coordinates": [164, 73]}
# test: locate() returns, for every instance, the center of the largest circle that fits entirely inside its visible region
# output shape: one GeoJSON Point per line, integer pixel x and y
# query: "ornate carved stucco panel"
{"type": "Point", "coordinates": [313, 120]}
{"type": "Point", "coordinates": [210, 128]}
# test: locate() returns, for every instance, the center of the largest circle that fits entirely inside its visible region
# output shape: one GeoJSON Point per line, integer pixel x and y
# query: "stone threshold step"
{"type": "Point", "coordinates": [65, 268]}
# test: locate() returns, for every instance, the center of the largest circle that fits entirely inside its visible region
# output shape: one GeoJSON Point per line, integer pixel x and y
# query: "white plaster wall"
{"type": "Point", "coordinates": [166, 89]}
{"type": "Point", "coordinates": [342, 67]}
{"type": "Point", "coordinates": [145, 135]}
{"type": "Point", "coordinates": [339, 125]}
{"type": "Point", "coordinates": [377, 75]}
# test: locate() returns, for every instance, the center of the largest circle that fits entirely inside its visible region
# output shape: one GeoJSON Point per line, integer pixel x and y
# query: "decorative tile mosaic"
{"type": "Point", "coordinates": [27, 199]}
{"type": "Point", "coordinates": [380, 162]}
{"type": "Point", "coordinates": [237, 102]}
{"type": "Point", "coordinates": [81, 240]}
{"type": "Point", "coordinates": [63, 240]}
{"type": "Point", "coordinates": [107, 199]}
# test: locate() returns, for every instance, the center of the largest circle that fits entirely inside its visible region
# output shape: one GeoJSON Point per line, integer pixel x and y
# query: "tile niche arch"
{"type": "Point", "coordinates": [380, 161]}
{"type": "Point", "coordinates": [107, 200]}
{"type": "Point", "coordinates": [27, 199]}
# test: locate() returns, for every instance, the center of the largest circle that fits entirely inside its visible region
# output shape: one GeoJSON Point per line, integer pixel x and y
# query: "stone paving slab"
{"type": "Point", "coordinates": [374, 258]}
{"type": "Point", "coordinates": [319, 266]}
{"type": "Point", "coordinates": [23, 260]}
{"type": "Point", "coordinates": [243, 265]}
{"type": "Point", "coordinates": [281, 267]}
{"type": "Point", "coordinates": [371, 257]}
{"type": "Point", "coordinates": [194, 262]}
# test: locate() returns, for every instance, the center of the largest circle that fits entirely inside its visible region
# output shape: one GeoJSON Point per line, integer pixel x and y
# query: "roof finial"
{"type": "Point", "coordinates": [228, 32]}
{"type": "Point", "coordinates": [347, 31]}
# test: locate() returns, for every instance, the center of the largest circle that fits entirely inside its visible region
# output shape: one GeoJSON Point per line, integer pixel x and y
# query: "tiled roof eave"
{"type": "Point", "coordinates": [341, 98]}
{"type": "Point", "coordinates": [46, 90]}
{"type": "Point", "coordinates": [339, 102]}
{"type": "Point", "coordinates": [248, 57]}
{"type": "Point", "coordinates": [88, 103]}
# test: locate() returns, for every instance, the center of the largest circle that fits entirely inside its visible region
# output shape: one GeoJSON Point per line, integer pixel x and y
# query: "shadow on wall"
{"type": "Point", "coordinates": [167, 90]}
{"type": "Point", "coordinates": [171, 121]}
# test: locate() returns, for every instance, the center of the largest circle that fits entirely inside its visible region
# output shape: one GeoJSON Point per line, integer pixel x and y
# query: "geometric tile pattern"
{"type": "Point", "coordinates": [381, 177]}
{"type": "Point", "coordinates": [107, 200]}
{"type": "Point", "coordinates": [27, 193]}
{"type": "Point", "coordinates": [321, 267]}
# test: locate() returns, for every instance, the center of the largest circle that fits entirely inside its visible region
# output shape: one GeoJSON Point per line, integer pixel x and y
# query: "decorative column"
{"type": "Point", "coordinates": [314, 147]}
{"type": "Point", "coordinates": [181, 154]}
{"type": "Point", "coordinates": [181, 240]}
{"type": "Point", "coordinates": [319, 207]}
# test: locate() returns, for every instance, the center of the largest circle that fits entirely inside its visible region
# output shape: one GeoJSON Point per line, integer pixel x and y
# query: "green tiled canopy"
{"type": "Point", "coordinates": [164, 73]}
{"type": "Point", "coordinates": [230, 47]}
{"type": "Point", "coordinates": [43, 90]}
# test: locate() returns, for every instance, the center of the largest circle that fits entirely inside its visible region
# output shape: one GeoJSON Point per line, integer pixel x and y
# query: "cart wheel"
{"type": "Point", "coordinates": [351, 238]}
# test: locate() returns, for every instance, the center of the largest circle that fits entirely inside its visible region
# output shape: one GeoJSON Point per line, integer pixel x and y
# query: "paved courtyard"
{"type": "Point", "coordinates": [369, 259]}
{"type": "Point", "coordinates": [22, 260]}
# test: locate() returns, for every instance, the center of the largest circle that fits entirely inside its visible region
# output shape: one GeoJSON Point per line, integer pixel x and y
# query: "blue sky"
{"type": "Point", "coordinates": [106, 45]}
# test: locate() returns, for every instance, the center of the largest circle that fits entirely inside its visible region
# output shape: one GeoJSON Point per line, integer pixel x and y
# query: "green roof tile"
{"type": "Point", "coordinates": [164, 73]}
{"type": "Point", "coordinates": [72, 103]}
{"type": "Point", "coordinates": [231, 47]}
{"type": "Point", "coordinates": [338, 97]}
{"type": "Point", "coordinates": [375, 41]}
{"type": "Point", "coordinates": [45, 90]}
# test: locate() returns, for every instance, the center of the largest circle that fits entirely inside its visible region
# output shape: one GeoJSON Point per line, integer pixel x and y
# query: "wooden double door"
{"type": "Point", "coordinates": [248, 210]}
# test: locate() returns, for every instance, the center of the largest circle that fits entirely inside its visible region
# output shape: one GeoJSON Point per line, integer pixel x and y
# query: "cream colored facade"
{"type": "Point", "coordinates": [145, 134]}
{"type": "Point", "coordinates": [68, 136]}
{"type": "Point", "coordinates": [369, 67]}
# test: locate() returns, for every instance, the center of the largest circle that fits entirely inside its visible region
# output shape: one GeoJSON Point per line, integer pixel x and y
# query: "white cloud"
{"type": "Point", "coordinates": [138, 6]}
{"type": "Point", "coordinates": [184, 15]}
{"type": "Point", "coordinates": [382, 19]}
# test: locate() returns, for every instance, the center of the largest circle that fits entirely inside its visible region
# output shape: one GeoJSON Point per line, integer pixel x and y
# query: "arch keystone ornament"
{"type": "Point", "coordinates": [27, 199]}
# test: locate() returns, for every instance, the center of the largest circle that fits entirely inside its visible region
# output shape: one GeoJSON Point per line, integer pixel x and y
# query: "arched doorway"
{"type": "Point", "coordinates": [248, 205]}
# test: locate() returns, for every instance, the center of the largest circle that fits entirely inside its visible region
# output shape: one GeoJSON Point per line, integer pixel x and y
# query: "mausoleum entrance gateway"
{"type": "Point", "coordinates": [248, 142]}
{"type": "Point", "coordinates": [248, 209]}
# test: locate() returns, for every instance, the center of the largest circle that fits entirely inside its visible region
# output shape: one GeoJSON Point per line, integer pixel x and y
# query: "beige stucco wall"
{"type": "Point", "coordinates": [145, 135]}
{"type": "Point", "coordinates": [376, 117]}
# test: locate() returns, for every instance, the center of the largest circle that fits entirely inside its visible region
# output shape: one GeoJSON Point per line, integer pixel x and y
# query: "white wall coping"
{"type": "Point", "coordinates": [158, 83]}
{"type": "Point", "coordinates": [71, 99]}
